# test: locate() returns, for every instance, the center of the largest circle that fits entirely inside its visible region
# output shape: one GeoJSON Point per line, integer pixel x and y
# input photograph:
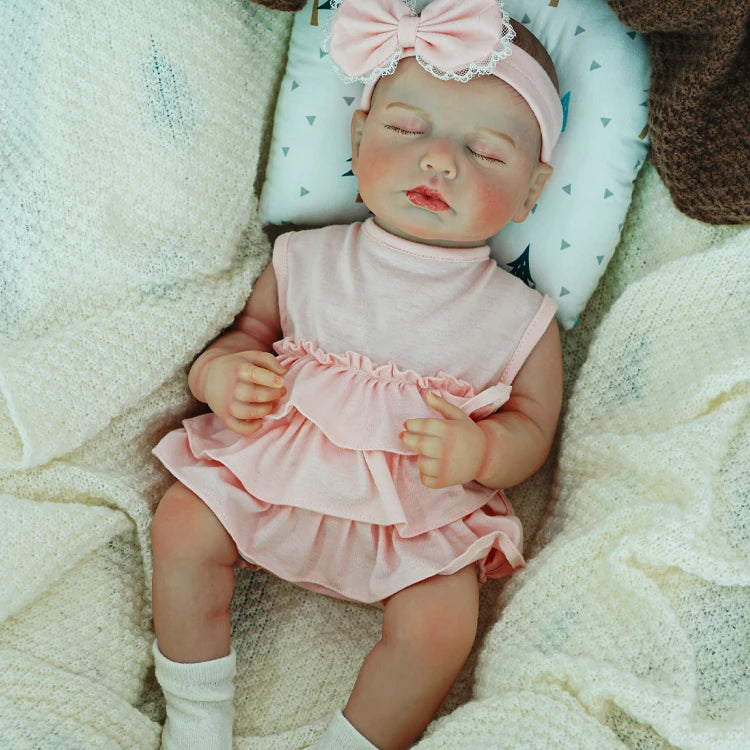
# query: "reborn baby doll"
{"type": "Point", "coordinates": [382, 385]}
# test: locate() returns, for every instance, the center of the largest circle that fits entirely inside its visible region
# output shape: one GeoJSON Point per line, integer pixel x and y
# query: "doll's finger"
{"type": "Point", "coordinates": [428, 467]}
{"type": "Point", "coordinates": [265, 360]}
{"type": "Point", "coordinates": [252, 373]}
{"type": "Point", "coordinates": [244, 427]}
{"type": "Point", "coordinates": [244, 411]}
{"type": "Point", "coordinates": [426, 445]}
{"type": "Point", "coordinates": [425, 426]}
{"type": "Point", "coordinates": [252, 393]}
{"type": "Point", "coordinates": [433, 483]}
{"type": "Point", "coordinates": [448, 410]}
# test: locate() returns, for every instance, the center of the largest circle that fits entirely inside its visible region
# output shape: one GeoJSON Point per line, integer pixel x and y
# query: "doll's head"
{"type": "Point", "coordinates": [446, 149]}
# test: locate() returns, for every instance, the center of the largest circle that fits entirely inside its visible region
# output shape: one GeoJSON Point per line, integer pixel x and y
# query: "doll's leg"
{"type": "Point", "coordinates": [428, 632]}
{"type": "Point", "coordinates": [193, 578]}
{"type": "Point", "coordinates": [192, 586]}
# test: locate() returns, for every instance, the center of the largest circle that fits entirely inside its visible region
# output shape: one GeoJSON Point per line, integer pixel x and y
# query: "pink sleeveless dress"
{"type": "Point", "coordinates": [325, 494]}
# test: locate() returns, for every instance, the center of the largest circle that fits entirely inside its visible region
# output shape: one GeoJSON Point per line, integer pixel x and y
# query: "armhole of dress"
{"type": "Point", "coordinates": [279, 260]}
{"type": "Point", "coordinates": [530, 338]}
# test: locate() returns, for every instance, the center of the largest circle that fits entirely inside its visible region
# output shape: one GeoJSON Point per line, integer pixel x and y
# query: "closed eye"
{"type": "Point", "coordinates": [402, 131]}
{"type": "Point", "coordinates": [484, 157]}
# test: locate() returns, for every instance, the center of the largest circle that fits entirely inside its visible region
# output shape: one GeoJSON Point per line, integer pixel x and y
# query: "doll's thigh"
{"type": "Point", "coordinates": [436, 617]}
{"type": "Point", "coordinates": [185, 529]}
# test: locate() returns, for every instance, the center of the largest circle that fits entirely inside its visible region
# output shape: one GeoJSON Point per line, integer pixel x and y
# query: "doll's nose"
{"type": "Point", "coordinates": [440, 157]}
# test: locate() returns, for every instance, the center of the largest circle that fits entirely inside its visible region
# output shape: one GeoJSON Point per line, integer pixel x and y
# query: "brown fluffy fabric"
{"type": "Point", "coordinates": [699, 102]}
{"type": "Point", "coordinates": [292, 5]}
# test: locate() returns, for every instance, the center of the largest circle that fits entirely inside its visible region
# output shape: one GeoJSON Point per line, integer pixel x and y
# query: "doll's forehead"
{"type": "Point", "coordinates": [411, 81]}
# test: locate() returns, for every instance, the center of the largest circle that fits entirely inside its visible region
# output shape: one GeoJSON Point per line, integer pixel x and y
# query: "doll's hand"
{"type": "Point", "coordinates": [242, 388]}
{"type": "Point", "coordinates": [451, 450]}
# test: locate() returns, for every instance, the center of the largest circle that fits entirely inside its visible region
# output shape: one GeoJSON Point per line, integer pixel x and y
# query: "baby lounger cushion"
{"type": "Point", "coordinates": [563, 247]}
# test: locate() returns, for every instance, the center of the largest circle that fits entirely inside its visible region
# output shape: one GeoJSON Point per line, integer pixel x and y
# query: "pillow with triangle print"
{"type": "Point", "coordinates": [563, 247]}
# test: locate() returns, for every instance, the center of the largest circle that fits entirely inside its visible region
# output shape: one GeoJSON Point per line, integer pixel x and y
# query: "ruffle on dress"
{"type": "Point", "coordinates": [291, 462]}
{"type": "Point", "coordinates": [340, 557]}
{"type": "Point", "coordinates": [361, 405]}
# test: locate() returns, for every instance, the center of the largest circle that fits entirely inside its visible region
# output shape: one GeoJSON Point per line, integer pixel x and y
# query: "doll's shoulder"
{"type": "Point", "coordinates": [332, 234]}
{"type": "Point", "coordinates": [518, 305]}
{"type": "Point", "coordinates": [515, 288]}
{"type": "Point", "coordinates": [317, 243]}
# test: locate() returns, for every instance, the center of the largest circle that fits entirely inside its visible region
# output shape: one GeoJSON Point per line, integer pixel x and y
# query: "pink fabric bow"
{"type": "Point", "coordinates": [367, 36]}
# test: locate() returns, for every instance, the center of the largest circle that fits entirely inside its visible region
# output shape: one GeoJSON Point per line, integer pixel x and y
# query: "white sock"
{"type": "Point", "coordinates": [200, 702]}
{"type": "Point", "coordinates": [341, 735]}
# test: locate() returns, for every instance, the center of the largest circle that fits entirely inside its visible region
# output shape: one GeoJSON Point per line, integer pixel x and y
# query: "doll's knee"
{"type": "Point", "coordinates": [185, 529]}
{"type": "Point", "coordinates": [445, 637]}
{"type": "Point", "coordinates": [436, 628]}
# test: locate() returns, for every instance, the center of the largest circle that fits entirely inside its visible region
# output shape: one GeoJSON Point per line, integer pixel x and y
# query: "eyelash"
{"type": "Point", "coordinates": [396, 129]}
{"type": "Point", "coordinates": [482, 157]}
{"type": "Point", "coordinates": [487, 158]}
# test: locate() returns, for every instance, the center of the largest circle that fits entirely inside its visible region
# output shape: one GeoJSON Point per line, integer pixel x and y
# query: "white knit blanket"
{"type": "Point", "coordinates": [130, 135]}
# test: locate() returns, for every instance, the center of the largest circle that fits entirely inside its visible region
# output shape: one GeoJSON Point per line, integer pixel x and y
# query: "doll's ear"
{"type": "Point", "coordinates": [539, 179]}
{"type": "Point", "coordinates": [357, 128]}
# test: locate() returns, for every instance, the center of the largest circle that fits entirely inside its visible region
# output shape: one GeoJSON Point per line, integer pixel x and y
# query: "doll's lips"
{"type": "Point", "coordinates": [425, 197]}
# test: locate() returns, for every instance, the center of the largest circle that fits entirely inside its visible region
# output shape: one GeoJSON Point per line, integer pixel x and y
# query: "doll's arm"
{"type": "Point", "coordinates": [505, 448]}
{"type": "Point", "coordinates": [238, 376]}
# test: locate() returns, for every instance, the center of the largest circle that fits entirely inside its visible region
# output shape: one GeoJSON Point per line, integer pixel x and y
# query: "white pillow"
{"type": "Point", "coordinates": [563, 247]}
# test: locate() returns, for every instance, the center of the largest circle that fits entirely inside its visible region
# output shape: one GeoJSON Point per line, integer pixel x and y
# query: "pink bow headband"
{"type": "Point", "coordinates": [451, 40]}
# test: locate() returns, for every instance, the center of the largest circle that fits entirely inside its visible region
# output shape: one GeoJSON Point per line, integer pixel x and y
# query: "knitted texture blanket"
{"type": "Point", "coordinates": [131, 140]}
{"type": "Point", "coordinates": [699, 102]}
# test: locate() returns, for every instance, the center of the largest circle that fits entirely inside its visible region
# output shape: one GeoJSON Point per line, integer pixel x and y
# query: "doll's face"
{"type": "Point", "coordinates": [445, 162]}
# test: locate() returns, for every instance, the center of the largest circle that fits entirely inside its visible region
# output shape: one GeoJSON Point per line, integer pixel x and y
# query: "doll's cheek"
{"type": "Point", "coordinates": [491, 210]}
{"type": "Point", "coordinates": [373, 164]}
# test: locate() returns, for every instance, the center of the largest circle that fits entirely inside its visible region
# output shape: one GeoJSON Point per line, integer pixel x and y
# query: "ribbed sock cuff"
{"type": "Point", "coordinates": [206, 680]}
{"type": "Point", "coordinates": [341, 735]}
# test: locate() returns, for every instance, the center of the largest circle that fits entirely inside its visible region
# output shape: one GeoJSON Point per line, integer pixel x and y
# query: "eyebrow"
{"type": "Point", "coordinates": [498, 134]}
{"type": "Point", "coordinates": [411, 108]}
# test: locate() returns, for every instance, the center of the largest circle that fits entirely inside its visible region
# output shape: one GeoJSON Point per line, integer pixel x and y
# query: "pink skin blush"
{"type": "Point", "coordinates": [425, 197]}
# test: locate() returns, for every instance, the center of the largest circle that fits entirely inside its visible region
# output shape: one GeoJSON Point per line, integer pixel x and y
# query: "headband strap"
{"type": "Point", "coordinates": [450, 40]}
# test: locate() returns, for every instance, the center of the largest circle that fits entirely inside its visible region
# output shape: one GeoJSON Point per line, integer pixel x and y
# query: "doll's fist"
{"type": "Point", "coordinates": [450, 450]}
{"type": "Point", "coordinates": [242, 388]}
